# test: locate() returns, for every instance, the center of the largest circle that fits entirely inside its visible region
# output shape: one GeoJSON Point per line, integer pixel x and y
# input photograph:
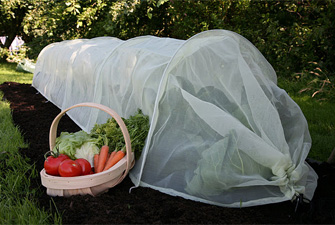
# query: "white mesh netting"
{"type": "Point", "coordinates": [221, 131]}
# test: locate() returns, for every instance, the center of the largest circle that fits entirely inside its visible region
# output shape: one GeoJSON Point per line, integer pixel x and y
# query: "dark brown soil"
{"type": "Point", "coordinates": [33, 114]}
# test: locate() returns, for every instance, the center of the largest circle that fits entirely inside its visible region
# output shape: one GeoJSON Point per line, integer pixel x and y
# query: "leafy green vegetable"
{"type": "Point", "coordinates": [138, 128]}
{"type": "Point", "coordinates": [83, 145]}
{"type": "Point", "coordinates": [68, 143]}
{"type": "Point", "coordinates": [87, 151]}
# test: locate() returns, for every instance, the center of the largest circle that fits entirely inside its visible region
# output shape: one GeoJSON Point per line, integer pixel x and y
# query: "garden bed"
{"type": "Point", "coordinates": [34, 114]}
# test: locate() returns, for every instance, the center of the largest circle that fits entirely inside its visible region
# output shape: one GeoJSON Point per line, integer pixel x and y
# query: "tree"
{"type": "Point", "coordinates": [12, 13]}
{"type": "Point", "coordinates": [52, 21]}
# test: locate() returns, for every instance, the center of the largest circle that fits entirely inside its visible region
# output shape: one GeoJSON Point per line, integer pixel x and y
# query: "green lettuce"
{"type": "Point", "coordinates": [84, 145]}
{"type": "Point", "coordinates": [87, 151]}
{"type": "Point", "coordinates": [69, 143]}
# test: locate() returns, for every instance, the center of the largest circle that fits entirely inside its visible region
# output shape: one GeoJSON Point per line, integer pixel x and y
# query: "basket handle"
{"type": "Point", "coordinates": [112, 113]}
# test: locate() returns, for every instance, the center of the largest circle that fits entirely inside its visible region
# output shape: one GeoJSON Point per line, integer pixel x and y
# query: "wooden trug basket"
{"type": "Point", "coordinates": [92, 184]}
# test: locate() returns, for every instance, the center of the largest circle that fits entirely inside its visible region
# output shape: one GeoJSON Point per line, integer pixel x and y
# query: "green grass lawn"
{"type": "Point", "coordinates": [320, 118]}
{"type": "Point", "coordinates": [17, 200]}
{"type": "Point", "coordinates": [8, 73]}
{"type": "Point", "coordinates": [321, 123]}
{"type": "Point", "coordinates": [18, 204]}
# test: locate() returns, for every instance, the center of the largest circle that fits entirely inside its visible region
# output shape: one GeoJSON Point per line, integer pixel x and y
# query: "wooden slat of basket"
{"type": "Point", "coordinates": [84, 181]}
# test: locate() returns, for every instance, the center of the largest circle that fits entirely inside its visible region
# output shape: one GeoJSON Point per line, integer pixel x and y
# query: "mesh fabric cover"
{"type": "Point", "coordinates": [221, 131]}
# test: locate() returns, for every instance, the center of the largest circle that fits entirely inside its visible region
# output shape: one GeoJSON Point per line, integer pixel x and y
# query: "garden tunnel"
{"type": "Point", "coordinates": [221, 131]}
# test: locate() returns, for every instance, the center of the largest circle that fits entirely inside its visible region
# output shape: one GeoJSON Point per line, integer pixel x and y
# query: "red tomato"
{"type": "Point", "coordinates": [69, 168]}
{"type": "Point", "coordinates": [51, 164]}
{"type": "Point", "coordinates": [85, 166]}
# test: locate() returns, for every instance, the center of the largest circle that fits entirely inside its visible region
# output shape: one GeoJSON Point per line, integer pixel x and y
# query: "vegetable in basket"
{"type": "Point", "coordinates": [108, 135]}
{"type": "Point", "coordinates": [102, 159]}
{"type": "Point", "coordinates": [115, 158]}
{"type": "Point", "coordinates": [55, 165]}
{"type": "Point", "coordinates": [87, 151]}
{"type": "Point", "coordinates": [86, 167]}
{"type": "Point", "coordinates": [138, 128]}
{"type": "Point", "coordinates": [77, 145]}
{"type": "Point", "coordinates": [69, 168]}
{"type": "Point", "coordinates": [51, 163]}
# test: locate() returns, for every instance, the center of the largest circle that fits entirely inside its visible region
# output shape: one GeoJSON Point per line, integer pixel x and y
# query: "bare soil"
{"type": "Point", "coordinates": [33, 114]}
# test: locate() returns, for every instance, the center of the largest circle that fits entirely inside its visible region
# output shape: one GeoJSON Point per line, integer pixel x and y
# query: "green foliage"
{"type": "Point", "coordinates": [11, 16]}
{"type": "Point", "coordinates": [137, 126]}
{"type": "Point", "coordinates": [129, 18]}
{"type": "Point", "coordinates": [318, 82]}
{"type": "Point", "coordinates": [188, 18]}
{"type": "Point", "coordinates": [290, 34]}
{"type": "Point", "coordinates": [3, 54]}
{"type": "Point", "coordinates": [52, 21]}
{"type": "Point", "coordinates": [305, 47]}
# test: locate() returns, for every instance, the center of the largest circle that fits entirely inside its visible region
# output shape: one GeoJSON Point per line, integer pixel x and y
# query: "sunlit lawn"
{"type": "Point", "coordinates": [18, 202]}
{"type": "Point", "coordinates": [8, 73]}
{"type": "Point", "coordinates": [320, 118]}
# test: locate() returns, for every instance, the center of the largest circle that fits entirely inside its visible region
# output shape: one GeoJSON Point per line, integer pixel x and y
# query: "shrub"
{"type": "Point", "coordinates": [290, 34]}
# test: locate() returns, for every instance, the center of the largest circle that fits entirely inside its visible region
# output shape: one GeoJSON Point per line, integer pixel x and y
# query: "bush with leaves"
{"type": "Point", "coordinates": [290, 34]}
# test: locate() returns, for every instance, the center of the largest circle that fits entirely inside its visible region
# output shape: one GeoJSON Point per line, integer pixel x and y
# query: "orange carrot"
{"type": "Point", "coordinates": [102, 158]}
{"type": "Point", "coordinates": [109, 159]}
{"type": "Point", "coordinates": [95, 161]}
{"type": "Point", "coordinates": [108, 155]}
{"type": "Point", "coordinates": [118, 156]}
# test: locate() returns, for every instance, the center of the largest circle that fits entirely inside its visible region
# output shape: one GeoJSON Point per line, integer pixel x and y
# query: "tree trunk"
{"type": "Point", "coordinates": [10, 38]}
